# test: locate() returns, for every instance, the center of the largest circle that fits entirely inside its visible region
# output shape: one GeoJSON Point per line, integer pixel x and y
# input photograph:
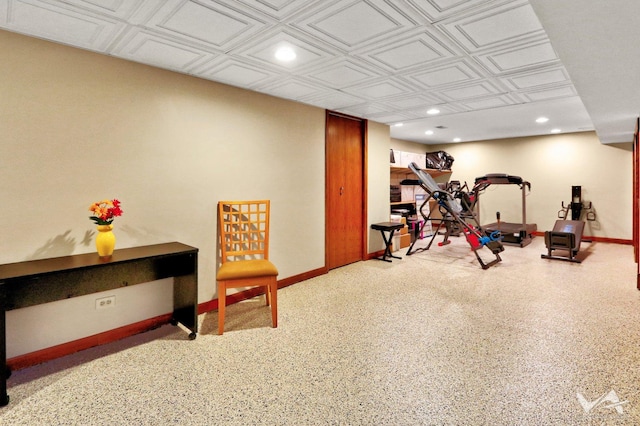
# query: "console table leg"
{"type": "Point", "coordinates": [5, 372]}
{"type": "Point", "coordinates": [185, 301]}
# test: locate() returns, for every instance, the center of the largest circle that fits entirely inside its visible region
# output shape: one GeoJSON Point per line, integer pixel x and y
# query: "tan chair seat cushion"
{"type": "Point", "coordinates": [239, 269]}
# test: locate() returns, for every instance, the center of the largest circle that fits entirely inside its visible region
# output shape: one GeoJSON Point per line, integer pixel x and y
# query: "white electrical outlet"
{"type": "Point", "coordinates": [106, 302]}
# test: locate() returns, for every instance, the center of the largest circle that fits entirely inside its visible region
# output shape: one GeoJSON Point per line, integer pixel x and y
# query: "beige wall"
{"type": "Point", "coordinates": [78, 127]}
{"type": "Point", "coordinates": [553, 164]}
{"type": "Point", "coordinates": [378, 181]}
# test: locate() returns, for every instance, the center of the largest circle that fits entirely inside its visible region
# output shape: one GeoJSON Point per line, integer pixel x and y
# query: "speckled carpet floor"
{"type": "Point", "coordinates": [431, 339]}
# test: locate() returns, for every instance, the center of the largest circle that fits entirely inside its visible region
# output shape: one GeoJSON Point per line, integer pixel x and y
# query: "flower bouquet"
{"type": "Point", "coordinates": [105, 211]}
{"type": "Point", "coordinates": [103, 214]}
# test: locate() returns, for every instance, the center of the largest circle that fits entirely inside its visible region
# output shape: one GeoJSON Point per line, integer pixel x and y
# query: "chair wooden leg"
{"type": "Point", "coordinates": [273, 292]}
{"type": "Point", "coordinates": [222, 300]}
{"type": "Point", "coordinates": [267, 294]}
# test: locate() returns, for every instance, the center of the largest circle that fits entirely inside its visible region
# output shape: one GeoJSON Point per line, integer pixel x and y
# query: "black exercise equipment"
{"type": "Point", "coordinates": [439, 160]}
{"type": "Point", "coordinates": [456, 207]}
{"type": "Point", "coordinates": [567, 234]}
{"type": "Point", "coordinates": [577, 207]}
{"type": "Point", "coordinates": [512, 233]}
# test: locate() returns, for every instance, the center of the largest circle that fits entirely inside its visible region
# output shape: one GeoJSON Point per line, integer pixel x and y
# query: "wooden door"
{"type": "Point", "coordinates": [345, 189]}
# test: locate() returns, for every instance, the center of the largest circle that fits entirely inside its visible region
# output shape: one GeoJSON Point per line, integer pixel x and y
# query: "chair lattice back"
{"type": "Point", "coordinates": [244, 229]}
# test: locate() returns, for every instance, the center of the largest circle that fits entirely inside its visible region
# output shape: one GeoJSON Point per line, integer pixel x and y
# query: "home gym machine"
{"type": "Point", "coordinates": [566, 235]}
{"type": "Point", "coordinates": [512, 233]}
{"type": "Point", "coordinates": [456, 207]}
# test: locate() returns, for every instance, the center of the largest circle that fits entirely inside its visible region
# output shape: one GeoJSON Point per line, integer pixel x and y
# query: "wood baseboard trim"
{"type": "Point", "coordinates": [302, 277]}
{"type": "Point", "coordinates": [212, 305]}
{"type": "Point", "coordinates": [64, 349]}
{"type": "Point", "coordinates": [58, 351]}
{"type": "Point", "coordinates": [375, 254]}
{"type": "Point", "coordinates": [586, 238]}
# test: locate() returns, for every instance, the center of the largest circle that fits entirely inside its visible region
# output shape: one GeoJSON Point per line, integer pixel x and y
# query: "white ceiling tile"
{"type": "Point", "coordinates": [456, 73]}
{"type": "Point", "coordinates": [279, 9]}
{"type": "Point", "coordinates": [436, 10]}
{"type": "Point", "coordinates": [545, 77]}
{"type": "Point", "coordinates": [305, 54]}
{"type": "Point", "coordinates": [420, 113]}
{"type": "Point", "coordinates": [558, 92]}
{"type": "Point", "coordinates": [263, 50]}
{"type": "Point", "coordinates": [365, 109]}
{"type": "Point", "coordinates": [385, 60]}
{"type": "Point", "coordinates": [194, 21]}
{"type": "Point", "coordinates": [342, 74]}
{"type": "Point", "coordinates": [443, 5]}
{"type": "Point", "coordinates": [110, 5]}
{"type": "Point", "coordinates": [291, 89]}
{"type": "Point", "coordinates": [445, 108]}
{"type": "Point", "coordinates": [335, 99]}
{"type": "Point", "coordinates": [347, 26]}
{"type": "Point", "coordinates": [510, 23]}
{"type": "Point", "coordinates": [409, 54]}
{"type": "Point", "coordinates": [520, 58]}
{"type": "Point", "coordinates": [379, 89]}
{"type": "Point", "coordinates": [274, 4]}
{"type": "Point", "coordinates": [412, 101]}
{"type": "Point", "coordinates": [505, 26]}
{"type": "Point", "coordinates": [355, 23]}
{"type": "Point", "coordinates": [150, 48]}
{"type": "Point", "coordinates": [236, 73]}
{"type": "Point", "coordinates": [391, 118]}
{"type": "Point", "coordinates": [61, 24]}
{"type": "Point", "coordinates": [487, 103]}
{"type": "Point", "coordinates": [475, 90]}
{"type": "Point", "coordinates": [115, 8]}
{"type": "Point", "coordinates": [410, 51]}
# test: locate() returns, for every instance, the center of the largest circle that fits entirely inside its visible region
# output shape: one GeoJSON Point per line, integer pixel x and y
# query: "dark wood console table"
{"type": "Point", "coordinates": [35, 282]}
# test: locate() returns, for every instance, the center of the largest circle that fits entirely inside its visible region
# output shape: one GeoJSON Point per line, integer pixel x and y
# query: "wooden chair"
{"type": "Point", "coordinates": [244, 242]}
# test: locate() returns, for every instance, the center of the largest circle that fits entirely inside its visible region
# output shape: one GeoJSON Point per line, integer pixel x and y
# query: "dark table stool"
{"type": "Point", "coordinates": [389, 227]}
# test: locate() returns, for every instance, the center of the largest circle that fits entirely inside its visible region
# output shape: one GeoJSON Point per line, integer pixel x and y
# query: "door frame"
{"type": "Point", "coordinates": [364, 125]}
{"type": "Point", "coordinates": [636, 199]}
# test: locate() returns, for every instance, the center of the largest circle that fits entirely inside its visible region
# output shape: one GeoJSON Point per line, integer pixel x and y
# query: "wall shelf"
{"type": "Point", "coordinates": [408, 193]}
{"type": "Point", "coordinates": [395, 170]}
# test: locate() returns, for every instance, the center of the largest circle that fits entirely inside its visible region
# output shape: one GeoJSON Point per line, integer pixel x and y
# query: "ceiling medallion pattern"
{"type": "Point", "coordinates": [383, 60]}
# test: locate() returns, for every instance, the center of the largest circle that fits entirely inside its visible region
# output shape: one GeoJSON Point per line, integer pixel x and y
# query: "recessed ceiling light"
{"type": "Point", "coordinates": [428, 132]}
{"type": "Point", "coordinates": [398, 125]}
{"type": "Point", "coordinates": [433, 111]}
{"type": "Point", "coordinates": [285, 54]}
{"type": "Point", "coordinates": [457, 139]}
{"type": "Point", "coordinates": [542, 120]}
{"type": "Point", "coordinates": [556, 130]}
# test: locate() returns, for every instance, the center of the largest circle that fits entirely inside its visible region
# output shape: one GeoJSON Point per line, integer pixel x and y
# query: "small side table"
{"type": "Point", "coordinates": [389, 227]}
{"type": "Point", "coordinates": [415, 227]}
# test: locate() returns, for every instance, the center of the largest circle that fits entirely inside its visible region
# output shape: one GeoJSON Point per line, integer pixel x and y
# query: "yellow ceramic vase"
{"type": "Point", "coordinates": [105, 241]}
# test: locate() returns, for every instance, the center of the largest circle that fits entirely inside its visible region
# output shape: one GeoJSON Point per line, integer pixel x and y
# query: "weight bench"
{"type": "Point", "coordinates": [566, 236]}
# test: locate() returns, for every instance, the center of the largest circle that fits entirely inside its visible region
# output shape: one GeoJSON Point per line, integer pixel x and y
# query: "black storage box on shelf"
{"type": "Point", "coordinates": [439, 160]}
{"type": "Point", "coordinates": [396, 194]}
